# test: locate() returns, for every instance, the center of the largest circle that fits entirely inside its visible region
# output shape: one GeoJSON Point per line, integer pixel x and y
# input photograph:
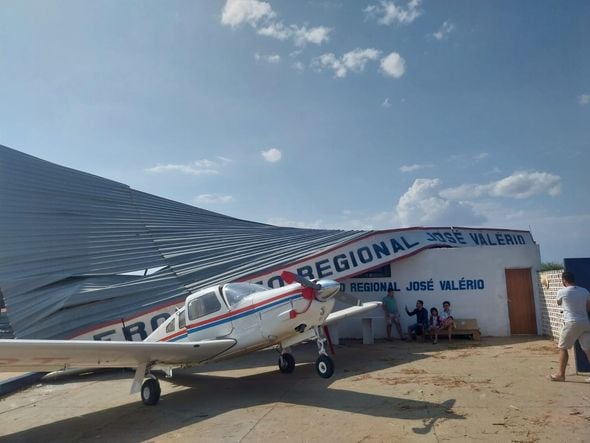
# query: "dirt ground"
{"type": "Point", "coordinates": [496, 390]}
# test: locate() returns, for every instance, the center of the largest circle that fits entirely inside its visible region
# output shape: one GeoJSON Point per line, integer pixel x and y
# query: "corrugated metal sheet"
{"type": "Point", "coordinates": [67, 236]}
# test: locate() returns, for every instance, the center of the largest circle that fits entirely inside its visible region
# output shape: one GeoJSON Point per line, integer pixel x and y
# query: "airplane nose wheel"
{"type": "Point", "coordinates": [324, 366]}
{"type": "Point", "coordinates": [150, 391]}
{"type": "Point", "coordinates": [286, 363]}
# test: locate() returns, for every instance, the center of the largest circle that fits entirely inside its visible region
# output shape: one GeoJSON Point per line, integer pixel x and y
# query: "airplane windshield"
{"type": "Point", "coordinates": [236, 292]}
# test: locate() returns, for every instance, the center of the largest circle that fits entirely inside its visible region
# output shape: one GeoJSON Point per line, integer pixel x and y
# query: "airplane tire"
{"type": "Point", "coordinates": [286, 363]}
{"type": "Point", "coordinates": [150, 392]}
{"type": "Point", "coordinates": [324, 366]}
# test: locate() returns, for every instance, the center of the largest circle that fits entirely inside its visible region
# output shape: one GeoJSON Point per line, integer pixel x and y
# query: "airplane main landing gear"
{"type": "Point", "coordinates": [286, 363]}
{"type": "Point", "coordinates": [150, 391]}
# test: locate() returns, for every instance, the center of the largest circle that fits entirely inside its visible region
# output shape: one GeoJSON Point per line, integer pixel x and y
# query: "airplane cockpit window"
{"type": "Point", "coordinates": [236, 292]}
{"type": "Point", "coordinates": [170, 326]}
{"type": "Point", "coordinates": [203, 305]}
{"type": "Point", "coordinates": [181, 319]}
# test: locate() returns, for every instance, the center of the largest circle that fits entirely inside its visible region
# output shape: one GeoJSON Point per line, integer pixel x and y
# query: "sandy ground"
{"type": "Point", "coordinates": [493, 391]}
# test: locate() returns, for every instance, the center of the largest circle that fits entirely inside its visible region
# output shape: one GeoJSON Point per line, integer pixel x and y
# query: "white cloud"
{"type": "Point", "coordinates": [213, 198]}
{"type": "Point", "coordinates": [443, 32]}
{"type": "Point", "coordinates": [519, 185]}
{"type": "Point", "coordinates": [347, 220]}
{"type": "Point", "coordinates": [300, 35]}
{"type": "Point", "coordinates": [422, 204]}
{"type": "Point", "coordinates": [268, 58]}
{"type": "Point", "coordinates": [481, 156]}
{"type": "Point", "coordinates": [237, 12]}
{"type": "Point", "coordinates": [386, 103]}
{"type": "Point", "coordinates": [199, 167]}
{"type": "Point", "coordinates": [317, 35]}
{"type": "Point", "coordinates": [414, 167]}
{"type": "Point", "coordinates": [272, 155]}
{"type": "Point", "coordinates": [526, 184]}
{"type": "Point", "coordinates": [299, 66]}
{"type": "Point", "coordinates": [387, 12]}
{"type": "Point", "coordinates": [419, 204]}
{"type": "Point", "coordinates": [427, 202]}
{"type": "Point", "coordinates": [354, 61]}
{"type": "Point", "coordinates": [329, 61]}
{"type": "Point", "coordinates": [276, 30]}
{"type": "Point", "coordinates": [224, 160]}
{"type": "Point", "coordinates": [261, 16]}
{"type": "Point", "coordinates": [584, 99]}
{"type": "Point", "coordinates": [393, 65]}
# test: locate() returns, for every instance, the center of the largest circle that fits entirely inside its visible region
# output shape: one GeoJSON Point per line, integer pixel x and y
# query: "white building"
{"type": "Point", "coordinates": [494, 285]}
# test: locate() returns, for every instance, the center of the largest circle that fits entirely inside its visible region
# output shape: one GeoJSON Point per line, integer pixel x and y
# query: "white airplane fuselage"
{"type": "Point", "coordinates": [265, 317]}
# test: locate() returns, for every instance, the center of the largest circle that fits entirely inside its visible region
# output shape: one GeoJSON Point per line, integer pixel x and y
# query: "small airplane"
{"type": "Point", "coordinates": [214, 324]}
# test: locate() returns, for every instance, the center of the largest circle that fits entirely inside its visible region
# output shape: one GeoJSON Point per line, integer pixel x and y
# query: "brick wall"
{"type": "Point", "coordinates": [551, 315]}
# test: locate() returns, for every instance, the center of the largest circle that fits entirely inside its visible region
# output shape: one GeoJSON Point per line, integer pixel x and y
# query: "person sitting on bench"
{"type": "Point", "coordinates": [421, 325]}
{"type": "Point", "coordinates": [435, 323]}
{"type": "Point", "coordinates": [447, 321]}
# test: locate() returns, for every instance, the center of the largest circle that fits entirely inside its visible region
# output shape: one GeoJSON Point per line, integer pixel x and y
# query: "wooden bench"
{"type": "Point", "coordinates": [465, 326]}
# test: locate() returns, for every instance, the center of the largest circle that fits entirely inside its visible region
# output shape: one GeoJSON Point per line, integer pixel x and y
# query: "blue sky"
{"type": "Point", "coordinates": [328, 114]}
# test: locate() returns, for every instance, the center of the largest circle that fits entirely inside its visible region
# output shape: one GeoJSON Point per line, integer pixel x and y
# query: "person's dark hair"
{"type": "Point", "coordinates": [568, 277]}
{"type": "Point", "coordinates": [420, 301]}
{"type": "Point", "coordinates": [446, 303]}
{"type": "Point", "coordinates": [433, 310]}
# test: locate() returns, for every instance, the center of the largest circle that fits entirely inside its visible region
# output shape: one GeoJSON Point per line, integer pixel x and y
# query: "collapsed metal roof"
{"type": "Point", "coordinates": [68, 241]}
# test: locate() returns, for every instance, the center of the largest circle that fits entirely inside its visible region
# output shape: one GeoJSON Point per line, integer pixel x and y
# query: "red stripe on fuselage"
{"type": "Point", "coordinates": [230, 314]}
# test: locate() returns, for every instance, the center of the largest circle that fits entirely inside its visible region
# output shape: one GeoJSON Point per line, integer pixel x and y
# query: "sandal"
{"type": "Point", "coordinates": [554, 377]}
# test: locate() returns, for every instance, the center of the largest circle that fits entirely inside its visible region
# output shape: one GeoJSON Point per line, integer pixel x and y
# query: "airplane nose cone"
{"type": "Point", "coordinates": [329, 289]}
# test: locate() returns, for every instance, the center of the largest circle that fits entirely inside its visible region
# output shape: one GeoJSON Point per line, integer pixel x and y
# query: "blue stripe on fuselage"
{"type": "Point", "coordinates": [244, 314]}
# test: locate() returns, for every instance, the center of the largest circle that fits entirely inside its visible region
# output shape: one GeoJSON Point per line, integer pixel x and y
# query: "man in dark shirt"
{"type": "Point", "coordinates": [421, 320]}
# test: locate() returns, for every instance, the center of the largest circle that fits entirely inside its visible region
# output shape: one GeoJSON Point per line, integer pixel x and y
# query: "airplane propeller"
{"type": "Point", "coordinates": [321, 290]}
{"type": "Point", "coordinates": [290, 277]}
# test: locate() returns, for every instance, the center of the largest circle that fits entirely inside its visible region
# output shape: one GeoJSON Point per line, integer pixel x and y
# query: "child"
{"type": "Point", "coordinates": [434, 324]}
{"type": "Point", "coordinates": [447, 319]}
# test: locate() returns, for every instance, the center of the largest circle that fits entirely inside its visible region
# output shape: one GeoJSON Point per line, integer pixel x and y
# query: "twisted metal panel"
{"type": "Point", "coordinates": [68, 239]}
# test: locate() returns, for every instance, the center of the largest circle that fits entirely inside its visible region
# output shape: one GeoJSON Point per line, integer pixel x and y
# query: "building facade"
{"type": "Point", "coordinates": [82, 256]}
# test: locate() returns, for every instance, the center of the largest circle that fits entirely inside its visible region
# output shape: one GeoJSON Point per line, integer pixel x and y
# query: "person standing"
{"type": "Point", "coordinates": [421, 325]}
{"type": "Point", "coordinates": [575, 302]}
{"type": "Point", "coordinates": [389, 305]}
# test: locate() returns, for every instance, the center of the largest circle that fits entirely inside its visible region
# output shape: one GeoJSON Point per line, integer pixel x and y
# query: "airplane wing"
{"type": "Point", "coordinates": [353, 310]}
{"type": "Point", "coordinates": [51, 355]}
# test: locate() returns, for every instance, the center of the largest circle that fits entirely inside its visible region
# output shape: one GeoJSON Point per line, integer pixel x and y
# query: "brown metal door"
{"type": "Point", "coordinates": [521, 304]}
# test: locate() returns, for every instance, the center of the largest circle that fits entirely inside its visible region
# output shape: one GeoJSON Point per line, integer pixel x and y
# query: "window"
{"type": "Point", "coordinates": [170, 326]}
{"type": "Point", "coordinates": [382, 272]}
{"type": "Point", "coordinates": [181, 319]}
{"type": "Point", "coordinates": [236, 292]}
{"type": "Point", "coordinates": [204, 305]}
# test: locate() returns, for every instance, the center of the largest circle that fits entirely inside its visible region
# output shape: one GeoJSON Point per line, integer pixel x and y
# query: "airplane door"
{"type": "Point", "coordinates": [207, 316]}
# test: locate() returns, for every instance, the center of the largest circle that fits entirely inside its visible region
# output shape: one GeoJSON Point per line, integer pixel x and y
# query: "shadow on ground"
{"type": "Point", "coordinates": [215, 393]}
